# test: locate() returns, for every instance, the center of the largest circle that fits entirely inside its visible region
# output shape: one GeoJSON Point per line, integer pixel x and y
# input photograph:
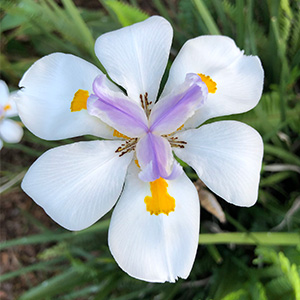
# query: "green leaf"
{"type": "Point", "coordinates": [125, 13]}
{"type": "Point", "coordinates": [257, 291]}
{"type": "Point", "coordinates": [60, 283]}
{"type": "Point", "coordinates": [283, 154]}
{"type": "Point", "coordinates": [290, 270]}
{"type": "Point", "coordinates": [278, 287]}
{"type": "Point", "coordinates": [285, 283]}
{"type": "Point", "coordinates": [236, 295]}
{"type": "Point", "coordinates": [35, 267]}
{"type": "Point", "coordinates": [285, 20]}
{"type": "Point", "coordinates": [51, 237]}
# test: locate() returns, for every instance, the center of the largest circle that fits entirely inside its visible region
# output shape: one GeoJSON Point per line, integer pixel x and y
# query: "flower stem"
{"type": "Point", "coordinates": [253, 238]}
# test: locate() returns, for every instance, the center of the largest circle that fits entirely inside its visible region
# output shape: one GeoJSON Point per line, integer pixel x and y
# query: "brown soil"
{"type": "Point", "coordinates": [14, 223]}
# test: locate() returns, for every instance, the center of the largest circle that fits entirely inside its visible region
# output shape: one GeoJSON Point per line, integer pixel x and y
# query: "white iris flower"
{"type": "Point", "coordinates": [154, 228]}
{"type": "Point", "coordinates": [10, 130]}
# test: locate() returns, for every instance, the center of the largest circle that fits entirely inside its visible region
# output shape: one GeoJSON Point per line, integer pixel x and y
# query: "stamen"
{"type": "Point", "coordinates": [79, 101]}
{"type": "Point", "coordinates": [126, 147]}
{"type": "Point", "coordinates": [160, 201]}
{"type": "Point", "coordinates": [173, 140]}
{"type": "Point", "coordinates": [211, 85]}
{"type": "Point", "coordinates": [145, 103]}
{"type": "Point", "coordinates": [142, 101]}
{"type": "Point", "coordinates": [119, 134]}
{"type": "Point", "coordinates": [146, 100]}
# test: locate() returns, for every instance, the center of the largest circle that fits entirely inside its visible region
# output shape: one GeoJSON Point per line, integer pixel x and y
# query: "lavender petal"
{"type": "Point", "coordinates": [155, 158]}
{"type": "Point", "coordinates": [170, 112]}
{"type": "Point", "coordinates": [116, 110]}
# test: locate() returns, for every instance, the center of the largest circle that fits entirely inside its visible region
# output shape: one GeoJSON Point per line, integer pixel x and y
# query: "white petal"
{"type": "Point", "coordinates": [155, 248]}
{"type": "Point", "coordinates": [227, 157]}
{"type": "Point", "coordinates": [10, 131]}
{"type": "Point", "coordinates": [48, 89]}
{"type": "Point", "coordinates": [4, 93]}
{"type": "Point", "coordinates": [136, 56]}
{"type": "Point", "coordinates": [7, 101]}
{"type": "Point", "coordinates": [12, 111]}
{"type": "Point", "coordinates": [239, 78]}
{"type": "Point", "coordinates": [77, 184]}
{"type": "Point", "coordinates": [1, 144]}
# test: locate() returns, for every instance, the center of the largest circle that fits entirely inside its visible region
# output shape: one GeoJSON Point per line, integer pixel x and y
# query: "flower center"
{"type": "Point", "coordinates": [79, 102]}
{"type": "Point", "coordinates": [160, 201]}
{"type": "Point", "coordinates": [3, 109]}
{"type": "Point", "coordinates": [211, 85]}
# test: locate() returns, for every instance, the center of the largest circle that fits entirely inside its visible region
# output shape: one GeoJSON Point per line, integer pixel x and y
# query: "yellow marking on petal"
{"type": "Point", "coordinates": [180, 127]}
{"type": "Point", "coordinates": [211, 85]}
{"type": "Point", "coordinates": [7, 107]}
{"type": "Point", "coordinates": [79, 101]}
{"type": "Point", "coordinates": [137, 163]}
{"type": "Point", "coordinates": [160, 201]}
{"type": "Point", "coordinates": [119, 134]}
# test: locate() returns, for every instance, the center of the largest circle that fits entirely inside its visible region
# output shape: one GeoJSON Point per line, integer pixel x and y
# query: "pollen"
{"type": "Point", "coordinates": [119, 134]}
{"type": "Point", "coordinates": [178, 129]}
{"type": "Point", "coordinates": [211, 85]}
{"type": "Point", "coordinates": [79, 101]}
{"type": "Point", "coordinates": [137, 163]}
{"type": "Point", "coordinates": [160, 201]}
{"type": "Point", "coordinates": [7, 107]}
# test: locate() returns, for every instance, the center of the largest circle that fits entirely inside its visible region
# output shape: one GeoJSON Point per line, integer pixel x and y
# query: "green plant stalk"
{"type": "Point", "coordinates": [253, 238]}
{"type": "Point", "coordinates": [272, 180]}
{"type": "Point", "coordinates": [222, 16]}
{"type": "Point", "coordinates": [162, 10]}
{"type": "Point", "coordinates": [55, 237]}
{"type": "Point", "coordinates": [281, 46]}
{"type": "Point", "coordinates": [249, 24]}
{"type": "Point", "coordinates": [207, 17]}
{"type": "Point", "coordinates": [38, 266]}
{"type": "Point", "coordinates": [53, 286]}
{"type": "Point", "coordinates": [241, 238]}
{"type": "Point", "coordinates": [82, 27]}
{"type": "Point", "coordinates": [25, 149]}
{"type": "Point", "coordinates": [12, 182]}
{"type": "Point", "coordinates": [281, 153]}
{"type": "Point", "coordinates": [235, 223]}
{"type": "Point", "coordinates": [108, 286]}
{"type": "Point", "coordinates": [240, 24]}
{"type": "Point", "coordinates": [215, 254]}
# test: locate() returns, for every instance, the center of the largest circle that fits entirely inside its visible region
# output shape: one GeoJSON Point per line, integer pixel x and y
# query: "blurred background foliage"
{"type": "Point", "coordinates": [255, 254]}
